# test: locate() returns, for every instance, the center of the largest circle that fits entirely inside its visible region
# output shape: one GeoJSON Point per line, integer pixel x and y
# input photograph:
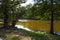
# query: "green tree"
{"type": "Point", "coordinates": [46, 10]}
{"type": "Point", "coordinates": [39, 10]}
{"type": "Point", "coordinates": [7, 5]}
{"type": "Point", "coordinates": [16, 11]}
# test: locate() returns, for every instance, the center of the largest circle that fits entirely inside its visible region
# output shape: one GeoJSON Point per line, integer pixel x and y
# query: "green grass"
{"type": "Point", "coordinates": [34, 35]}
{"type": "Point", "coordinates": [41, 36]}
{"type": "Point", "coordinates": [1, 23]}
{"type": "Point", "coordinates": [13, 38]}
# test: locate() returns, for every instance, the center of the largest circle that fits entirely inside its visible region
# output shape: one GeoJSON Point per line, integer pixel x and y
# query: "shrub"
{"type": "Point", "coordinates": [2, 34]}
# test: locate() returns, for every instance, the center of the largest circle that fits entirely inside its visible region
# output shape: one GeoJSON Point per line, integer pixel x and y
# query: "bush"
{"type": "Point", "coordinates": [2, 34]}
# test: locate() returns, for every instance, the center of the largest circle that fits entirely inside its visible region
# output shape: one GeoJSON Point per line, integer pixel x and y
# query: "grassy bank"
{"type": "Point", "coordinates": [19, 34]}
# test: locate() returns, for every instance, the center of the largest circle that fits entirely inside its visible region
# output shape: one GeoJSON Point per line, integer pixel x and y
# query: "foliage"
{"type": "Point", "coordinates": [2, 34]}
{"type": "Point", "coordinates": [9, 11]}
{"type": "Point", "coordinates": [42, 10]}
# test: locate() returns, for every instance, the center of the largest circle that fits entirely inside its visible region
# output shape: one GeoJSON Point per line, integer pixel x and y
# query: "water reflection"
{"type": "Point", "coordinates": [22, 20]}
{"type": "Point", "coordinates": [22, 27]}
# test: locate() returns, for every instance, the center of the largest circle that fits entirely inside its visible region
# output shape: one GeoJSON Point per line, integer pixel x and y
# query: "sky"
{"type": "Point", "coordinates": [27, 2]}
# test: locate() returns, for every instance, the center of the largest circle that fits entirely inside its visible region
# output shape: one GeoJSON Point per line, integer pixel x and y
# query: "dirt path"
{"type": "Point", "coordinates": [21, 37]}
{"type": "Point", "coordinates": [26, 38]}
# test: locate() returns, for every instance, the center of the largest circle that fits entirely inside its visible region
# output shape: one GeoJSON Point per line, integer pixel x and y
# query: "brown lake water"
{"type": "Point", "coordinates": [40, 25]}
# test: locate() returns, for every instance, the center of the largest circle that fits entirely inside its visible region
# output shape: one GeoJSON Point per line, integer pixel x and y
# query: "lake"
{"type": "Point", "coordinates": [39, 25]}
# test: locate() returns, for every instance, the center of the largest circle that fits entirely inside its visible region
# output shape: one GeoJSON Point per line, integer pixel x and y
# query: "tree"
{"type": "Point", "coordinates": [40, 9]}
{"type": "Point", "coordinates": [50, 9]}
{"type": "Point", "coordinates": [16, 11]}
{"type": "Point", "coordinates": [47, 10]}
{"type": "Point", "coordinates": [51, 28]}
{"type": "Point", "coordinates": [6, 6]}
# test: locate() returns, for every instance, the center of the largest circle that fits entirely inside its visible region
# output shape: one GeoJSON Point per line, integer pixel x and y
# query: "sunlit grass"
{"type": "Point", "coordinates": [1, 22]}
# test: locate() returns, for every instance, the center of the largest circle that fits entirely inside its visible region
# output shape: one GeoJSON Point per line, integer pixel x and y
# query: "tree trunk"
{"type": "Point", "coordinates": [52, 28]}
{"type": "Point", "coordinates": [5, 12]}
{"type": "Point", "coordinates": [6, 8]}
{"type": "Point", "coordinates": [13, 23]}
{"type": "Point", "coordinates": [5, 20]}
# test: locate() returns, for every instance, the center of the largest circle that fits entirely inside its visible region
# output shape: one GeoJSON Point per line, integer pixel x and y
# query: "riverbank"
{"type": "Point", "coordinates": [20, 34]}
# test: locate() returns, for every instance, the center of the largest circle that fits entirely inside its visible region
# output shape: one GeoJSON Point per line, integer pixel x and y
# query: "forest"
{"type": "Point", "coordinates": [41, 15]}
